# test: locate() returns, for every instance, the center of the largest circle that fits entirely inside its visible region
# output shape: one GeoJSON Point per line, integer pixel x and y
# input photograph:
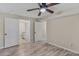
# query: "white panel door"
{"type": "Point", "coordinates": [11, 32]}
{"type": "Point", "coordinates": [40, 31]}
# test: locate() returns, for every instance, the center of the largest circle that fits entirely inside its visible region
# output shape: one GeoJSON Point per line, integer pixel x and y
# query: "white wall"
{"type": "Point", "coordinates": [64, 32]}
{"type": "Point", "coordinates": [1, 32]}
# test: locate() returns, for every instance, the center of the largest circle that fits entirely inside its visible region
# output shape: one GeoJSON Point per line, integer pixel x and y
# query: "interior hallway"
{"type": "Point", "coordinates": [35, 49]}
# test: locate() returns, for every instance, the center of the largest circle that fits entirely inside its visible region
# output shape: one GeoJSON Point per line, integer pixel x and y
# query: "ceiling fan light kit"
{"type": "Point", "coordinates": [42, 10]}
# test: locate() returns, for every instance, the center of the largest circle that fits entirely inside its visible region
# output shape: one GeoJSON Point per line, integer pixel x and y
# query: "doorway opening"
{"type": "Point", "coordinates": [24, 31]}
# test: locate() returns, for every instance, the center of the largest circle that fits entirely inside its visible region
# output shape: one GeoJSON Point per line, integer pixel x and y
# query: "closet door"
{"type": "Point", "coordinates": [40, 31]}
{"type": "Point", "coordinates": [11, 32]}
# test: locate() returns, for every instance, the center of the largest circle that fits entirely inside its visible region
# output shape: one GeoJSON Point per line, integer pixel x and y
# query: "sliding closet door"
{"type": "Point", "coordinates": [11, 32]}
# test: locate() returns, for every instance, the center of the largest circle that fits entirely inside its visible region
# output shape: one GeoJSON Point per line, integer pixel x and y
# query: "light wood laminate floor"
{"type": "Point", "coordinates": [35, 49]}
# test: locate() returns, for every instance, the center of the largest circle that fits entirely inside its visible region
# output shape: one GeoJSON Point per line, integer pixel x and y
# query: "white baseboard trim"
{"type": "Point", "coordinates": [62, 47]}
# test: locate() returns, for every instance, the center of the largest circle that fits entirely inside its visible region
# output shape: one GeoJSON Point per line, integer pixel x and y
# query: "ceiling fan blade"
{"type": "Point", "coordinates": [52, 4]}
{"type": "Point", "coordinates": [39, 13]}
{"type": "Point", "coordinates": [40, 5]}
{"type": "Point", "coordinates": [50, 11]}
{"type": "Point", "coordinates": [32, 9]}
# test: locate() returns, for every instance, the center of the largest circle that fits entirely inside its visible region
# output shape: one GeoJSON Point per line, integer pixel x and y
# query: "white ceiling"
{"type": "Point", "coordinates": [20, 9]}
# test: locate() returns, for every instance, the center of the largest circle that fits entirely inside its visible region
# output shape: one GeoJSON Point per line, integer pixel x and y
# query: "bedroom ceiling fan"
{"type": "Point", "coordinates": [43, 7]}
